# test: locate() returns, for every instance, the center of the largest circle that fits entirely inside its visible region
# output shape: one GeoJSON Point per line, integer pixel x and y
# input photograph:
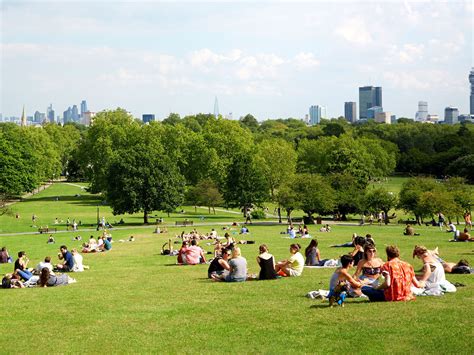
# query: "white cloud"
{"type": "Point", "coordinates": [355, 31]}
{"type": "Point", "coordinates": [305, 60]}
{"type": "Point", "coordinates": [411, 53]}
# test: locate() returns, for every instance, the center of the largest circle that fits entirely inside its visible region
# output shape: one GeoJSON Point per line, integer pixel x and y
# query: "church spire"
{"type": "Point", "coordinates": [23, 118]}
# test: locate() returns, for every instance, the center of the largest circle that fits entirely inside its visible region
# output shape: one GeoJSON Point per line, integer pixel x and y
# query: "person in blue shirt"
{"type": "Point", "coordinates": [68, 263]}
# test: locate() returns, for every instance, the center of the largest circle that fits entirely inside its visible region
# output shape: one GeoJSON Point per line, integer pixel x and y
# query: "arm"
{"type": "Point", "coordinates": [426, 273]}
{"type": "Point", "coordinates": [359, 268]}
{"type": "Point", "coordinates": [203, 257]}
{"type": "Point", "coordinates": [224, 264]}
{"type": "Point", "coordinates": [354, 283]}
{"type": "Point", "coordinates": [318, 255]}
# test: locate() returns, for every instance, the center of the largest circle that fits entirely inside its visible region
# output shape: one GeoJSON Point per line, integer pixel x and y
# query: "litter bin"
{"type": "Point", "coordinates": [319, 220]}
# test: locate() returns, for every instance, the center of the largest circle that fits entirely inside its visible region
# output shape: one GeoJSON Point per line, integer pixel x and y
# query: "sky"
{"type": "Point", "coordinates": [271, 59]}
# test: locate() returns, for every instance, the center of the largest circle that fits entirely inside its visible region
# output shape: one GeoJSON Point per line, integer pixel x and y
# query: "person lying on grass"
{"type": "Point", "coordinates": [219, 266]}
{"type": "Point", "coordinates": [237, 271]}
{"type": "Point", "coordinates": [12, 281]}
{"type": "Point", "coordinates": [399, 278]}
{"type": "Point", "coordinates": [294, 265]}
{"type": "Point", "coordinates": [47, 279]}
{"type": "Point", "coordinates": [461, 267]}
{"type": "Point", "coordinates": [464, 236]}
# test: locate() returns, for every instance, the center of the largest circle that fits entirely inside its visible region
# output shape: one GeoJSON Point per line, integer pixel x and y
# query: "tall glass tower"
{"type": "Point", "coordinates": [471, 80]}
{"type": "Point", "coordinates": [369, 96]}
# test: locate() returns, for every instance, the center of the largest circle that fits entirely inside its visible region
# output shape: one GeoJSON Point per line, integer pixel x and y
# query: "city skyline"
{"type": "Point", "coordinates": [270, 60]}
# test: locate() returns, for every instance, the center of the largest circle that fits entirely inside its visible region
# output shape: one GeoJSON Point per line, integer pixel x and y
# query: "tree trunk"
{"type": "Point", "coordinates": [145, 216]}
{"type": "Point", "coordinates": [213, 209]}
{"type": "Point", "coordinates": [279, 215]}
{"type": "Point", "coordinates": [386, 217]}
{"type": "Point", "coordinates": [209, 208]}
{"type": "Point", "coordinates": [195, 208]}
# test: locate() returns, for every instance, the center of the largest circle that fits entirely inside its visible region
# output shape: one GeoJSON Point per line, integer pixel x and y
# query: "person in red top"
{"type": "Point", "coordinates": [399, 277]}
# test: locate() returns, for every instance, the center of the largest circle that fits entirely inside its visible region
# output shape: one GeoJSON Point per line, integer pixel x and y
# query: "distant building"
{"type": "Point", "coordinates": [383, 117]}
{"type": "Point", "coordinates": [372, 112]}
{"type": "Point", "coordinates": [23, 118]}
{"type": "Point", "coordinates": [50, 113]}
{"type": "Point", "coordinates": [432, 118]}
{"type": "Point", "coordinates": [216, 108]}
{"type": "Point", "coordinates": [87, 118]}
{"type": "Point", "coordinates": [67, 115]}
{"type": "Point", "coordinates": [471, 80]}
{"type": "Point", "coordinates": [37, 117]}
{"type": "Point", "coordinates": [466, 118]}
{"type": "Point", "coordinates": [316, 112]}
{"type": "Point", "coordinates": [393, 119]}
{"type": "Point", "coordinates": [350, 111]}
{"type": "Point", "coordinates": [451, 115]}
{"type": "Point", "coordinates": [369, 96]}
{"type": "Point", "coordinates": [83, 107]}
{"type": "Point", "coordinates": [75, 113]}
{"type": "Point", "coordinates": [422, 113]}
{"type": "Point", "coordinates": [148, 117]}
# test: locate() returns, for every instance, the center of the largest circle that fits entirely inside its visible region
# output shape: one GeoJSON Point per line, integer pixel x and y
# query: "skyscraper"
{"type": "Point", "coordinates": [451, 115]}
{"type": "Point", "coordinates": [75, 113]}
{"type": "Point", "coordinates": [23, 118]}
{"type": "Point", "coordinates": [316, 112]}
{"type": "Point", "coordinates": [422, 113]}
{"type": "Point", "coordinates": [471, 80]}
{"type": "Point", "coordinates": [148, 117]}
{"type": "Point", "coordinates": [350, 111]}
{"type": "Point", "coordinates": [369, 96]}
{"type": "Point", "coordinates": [50, 113]}
{"type": "Point", "coordinates": [67, 115]}
{"type": "Point", "coordinates": [83, 107]}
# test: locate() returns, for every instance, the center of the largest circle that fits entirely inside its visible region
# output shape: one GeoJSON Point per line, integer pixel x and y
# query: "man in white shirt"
{"type": "Point", "coordinates": [44, 264]}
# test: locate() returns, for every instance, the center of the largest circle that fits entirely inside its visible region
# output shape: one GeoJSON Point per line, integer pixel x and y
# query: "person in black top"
{"type": "Point", "coordinates": [219, 265]}
{"type": "Point", "coordinates": [267, 264]}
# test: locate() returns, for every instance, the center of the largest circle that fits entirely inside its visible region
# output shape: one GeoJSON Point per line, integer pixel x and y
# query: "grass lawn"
{"type": "Point", "coordinates": [135, 300]}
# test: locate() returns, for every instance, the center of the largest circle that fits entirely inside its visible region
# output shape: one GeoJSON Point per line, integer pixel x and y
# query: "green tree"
{"type": "Point", "coordinates": [249, 122]}
{"type": "Point", "coordinates": [287, 198]}
{"type": "Point", "coordinates": [380, 199]}
{"type": "Point", "coordinates": [279, 162]}
{"type": "Point", "coordinates": [314, 193]}
{"type": "Point", "coordinates": [349, 193]}
{"type": "Point", "coordinates": [245, 184]}
{"type": "Point", "coordinates": [208, 194]}
{"type": "Point", "coordinates": [410, 194]}
{"type": "Point", "coordinates": [143, 179]}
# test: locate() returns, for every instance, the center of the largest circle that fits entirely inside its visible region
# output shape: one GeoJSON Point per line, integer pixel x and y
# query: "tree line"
{"type": "Point", "coordinates": [204, 160]}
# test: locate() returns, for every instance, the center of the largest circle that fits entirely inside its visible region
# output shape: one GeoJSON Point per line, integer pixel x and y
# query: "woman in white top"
{"type": "Point", "coordinates": [433, 276]}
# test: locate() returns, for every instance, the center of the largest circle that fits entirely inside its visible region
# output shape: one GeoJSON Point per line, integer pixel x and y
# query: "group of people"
{"type": "Point", "coordinates": [393, 280]}
{"type": "Point", "coordinates": [103, 243]}
{"type": "Point", "coordinates": [44, 274]}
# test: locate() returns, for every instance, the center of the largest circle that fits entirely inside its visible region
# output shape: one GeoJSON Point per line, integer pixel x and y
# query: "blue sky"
{"type": "Point", "coordinates": [271, 59]}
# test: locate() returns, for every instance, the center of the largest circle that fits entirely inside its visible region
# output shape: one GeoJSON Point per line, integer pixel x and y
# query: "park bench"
{"type": "Point", "coordinates": [297, 220]}
{"type": "Point", "coordinates": [183, 223]}
{"type": "Point", "coordinates": [46, 230]}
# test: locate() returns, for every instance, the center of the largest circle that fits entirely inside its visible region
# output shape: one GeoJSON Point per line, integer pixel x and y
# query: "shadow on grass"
{"type": "Point", "coordinates": [69, 198]}
{"type": "Point", "coordinates": [325, 304]}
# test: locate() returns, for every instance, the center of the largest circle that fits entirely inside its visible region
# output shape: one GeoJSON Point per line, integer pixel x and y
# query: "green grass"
{"type": "Point", "coordinates": [135, 300]}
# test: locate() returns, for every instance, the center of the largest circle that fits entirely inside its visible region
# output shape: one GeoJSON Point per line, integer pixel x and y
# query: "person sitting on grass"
{"type": "Point", "coordinates": [78, 266]}
{"type": "Point", "coordinates": [399, 277]}
{"type": "Point", "coordinates": [341, 280]}
{"type": "Point", "coordinates": [410, 231]}
{"type": "Point", "coordinates": [194, 254]}
{"type": "Point", "coordinates": [42, 264]}
{"type": "Point", "coordinates": [68, 264]}
{"type": "Point", "coordinates": [292, 266]}
{"type": "Point", "coordinates": [369, 268]}
{"type": "Point", "coordinates": [358, 252]}
{"type": "Point", "coordinates": [266, 261]}
{"type": "Point", "coordinates": [106, 244]}
{"type": "Point", "coordinates": [21, 266]}
{"type": "Point", "coordinates": [230, 241]}
{"type": "Point", "coordinates": [4, 256]}
{"type": "Point", "coordinates": [433, 276]}
{"type": "Point", "coordinates": [313, 257]}
{"type": "Point", "coordinates": [238, 268]}
{"type": "Point", "coordinates": [181, 259]}
{"type": "Point", "coordinates": [50, 239]}
{"type": "Point", "coordinates": [220, 264]}
{"type": "Point", "coordinates": [47, 279]}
